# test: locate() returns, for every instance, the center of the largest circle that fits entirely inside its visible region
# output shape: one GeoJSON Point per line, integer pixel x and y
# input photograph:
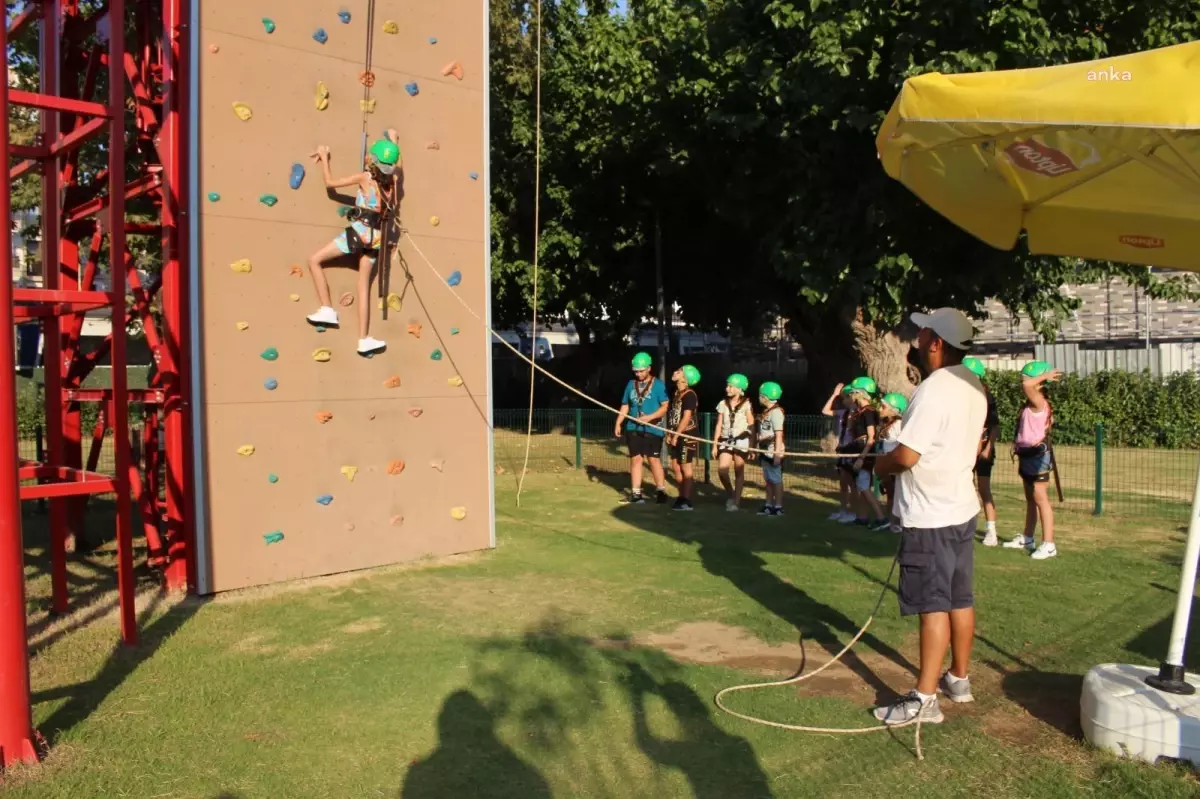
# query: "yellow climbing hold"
{"type": "Point", "coordinates": [367, 106]}
{"type": "Point", "coordinates": [349, 472]}
{"type": "Point", "coordinates": [243, 325]}
{"type": "Point", "coordinates": [458, 514]}
{"type": "Point", "coordinates": [322, 354]}
{"type": "Point", "coordinates": [243, 111]}
{"type": "Point", "coordinates": [246, 449]}
{"type": "Point", "coordinates": [294, 297]}
{"type": "Point", "coordinates": [394, 302]}
{"type": "Point", "coordinates": [455, 381]}
{"type": "Point", "coordinates": [322, 96]}
{"type": "Point", "coordinates": [391, 26]}
{"type": "Point", "coordinates": [242, 266]}
{"type": "Point", "coordinates": [433, 220]}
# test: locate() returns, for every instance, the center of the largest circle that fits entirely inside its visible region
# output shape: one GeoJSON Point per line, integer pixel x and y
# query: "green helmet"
{"type": "Point", "coordinates": [1035, 369]}
{"type": "Point", "coordinates": [738, 381]}
{"type": "Point", "coordinates": [386, 153]}
{"type": "Point", "coordinates": [864, 384]}
{"type": "Point", "coordinates": [690, 373]}
{"type": "Point", "coordinates": [847, 390]}
{"type": "Point", "coordinates": [896, 401]}
{"type": "Point", "coordinates": [642, 361]}
{"type": "Point", "coordinates": [976, 366]}
{"type": "Point", "coordinates": [771, 390]}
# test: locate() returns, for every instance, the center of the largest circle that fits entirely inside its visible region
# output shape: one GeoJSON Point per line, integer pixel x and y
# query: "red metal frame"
{"type": "Point", "coordinates": [145, 117]}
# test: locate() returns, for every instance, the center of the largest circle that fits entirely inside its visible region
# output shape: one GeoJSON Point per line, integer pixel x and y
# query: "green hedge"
{"type": "Point", "coordinates": [1137, 410]}
{"type": "Point", "coordinates": [31, 403]}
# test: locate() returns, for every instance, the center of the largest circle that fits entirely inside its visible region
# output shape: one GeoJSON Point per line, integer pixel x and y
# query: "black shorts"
{"type": "Point", "coordinates": [983, 466]}
{"type": "Point", "coordinates": [644, 444]}
{"type": "Point", "coordinates": [937, 569]}
{"type": "Point", "coordinates": [685, 451]}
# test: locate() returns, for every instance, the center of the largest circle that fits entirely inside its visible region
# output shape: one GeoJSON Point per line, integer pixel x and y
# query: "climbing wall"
{"type": "Point", "coordinates": [319, 460]}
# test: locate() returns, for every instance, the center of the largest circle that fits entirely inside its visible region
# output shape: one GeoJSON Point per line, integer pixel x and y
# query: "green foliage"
{"type": "Point", "coordinates": [1137, 410]}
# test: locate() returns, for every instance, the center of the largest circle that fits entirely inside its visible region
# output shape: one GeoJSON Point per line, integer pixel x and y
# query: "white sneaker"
{"type": "Point", "coordinates": [990, 539]}
{"type": "Point", "coordinates": [836, 515]}
{"type": "Point", "coordinates": [848, 518]}
{"type": "Point", "coordinates": [324, 316]}
{"type": "Point", "coordinates": [368, 345]}
{"type": "Point", "coordinates": [1020, 542]}
{"type": "Point", "coordinates": [731, 506]}
{"type": "Point", "coordinates": [1044, 551]}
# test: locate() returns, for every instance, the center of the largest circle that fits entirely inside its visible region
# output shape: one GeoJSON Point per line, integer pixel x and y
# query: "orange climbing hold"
{"type": "Point", "coordinates": [415, 329]}
{"type": "Point", "coordinates": [366, 78]}
{"type": "Point", "coordinates": [415, 412]}
{"type": "Point", "coordinates": [296, 271]}
{"type": "Point", "coordinates": [453, 68]}
{"type": "Point", "coordinates": [213, 48]}
{"type": "Point", "coordinates": [395, 467]}
{"type": "Point", "coordinates": [392, 382]}
{"type": "Point", "coordinates": [324, 416]}
{"type": "Point", "coordinates": [346, 300]}
{"type": "Point", "coordinates": [433, 146]}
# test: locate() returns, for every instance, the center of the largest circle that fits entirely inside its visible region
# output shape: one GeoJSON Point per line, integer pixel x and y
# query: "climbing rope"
{"type": "Point", "coordinates": [537, 231]}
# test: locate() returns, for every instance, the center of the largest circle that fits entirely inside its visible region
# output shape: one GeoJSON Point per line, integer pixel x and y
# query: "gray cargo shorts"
{"type": "Point", "coordinates": [937, 569]}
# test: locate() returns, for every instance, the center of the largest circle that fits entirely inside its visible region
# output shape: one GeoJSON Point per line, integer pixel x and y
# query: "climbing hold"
{"type": "Point", "coordinates": [367, 78]}
{"type": "Point", "coordinates": [242, 265]}
{"type": "Point", "coordinates": [415, 329]}
{"type": "Point", "coordinates": [395, 467]}
{"type": "Point", "coordinates": [391, 26]}
{"type": "Point", "coordinates": [321, 354]}
{"type": "Point", "coordinates": [320, 36]}
{"type": "Point", "coordinates": [438, 465]}
{"type": "Point", "coordinates": [297, 176]}
{"type": "Point", "coordinates": [473, 175]}
{"type": "Point", "coordinates": [270, 384]}
{"type": "Point", "coordinates": [272, 478]}
{"type": "Point", "coordinates": [319, 328]}
{"type": "Point", "coordinates": [296, 271]}
{"type": "Point", "coordinates": [436, 355]}
{"type": "Point", "coordinates": [349, 472]}
{"type": "Point", "coordinates": [243, 325]}
{"type": "Point", "coordinates": [213, 197]}
{"type": "Point", "coordinates": [324, 416]}
{"type": "Point", "coordinates": [268, 200]}
{"type": "Point", "coordinates": [270, 354]}
{"type": "Point", "coordinates": [325, 499]}
{"type": "Point", "coordinates": [453, 68]}
{"type": "Point", "coordinates": [349, 527]}
{"type": "Point", "coordinates": [346, 300]}
{"type": "Point", "coordinates": [396, 520]}
{"type": "Point", "coordinates": [243, 111]}
{"type": "Point", "coordinates": [246, 450]}
{"type": "Point", "coordinates": [322, 97]}
{"type": "Point", "coordinates": [454, 279]}
{"type": "Point", "coordinates": [367, 106]}
{"type": "Point", "coordinates": [370, 417]}
{"type": "Point", "coordinates": [213, 48]}
{"type": "Point", "coordinates": [344, 16]}
{"type": "Point", "coordinates": [433, 146]}
{"type": "Point", "coordinates": [392, 382]}
{"type": "Point", "coordinates": [415, 412]}
{"type": "Point", "coordinates": [268, 25]}
{"type": "Point", "coordinates": [394, 302]}
{"type": "Point", "coordinates": [412, 88]}
{"type": "Point", "coordinates": [455, 382]}
{"type": "Point", "coordinates": [454, 331]}
{"type": "Point", "coordinates": [344, 211]}
{"type": "Point", "coordinates": [294, 297]}
{"type": "Point", "coordinates": [433, 40]}
{"type": "Point", "coordinates": [433, 220]}
{"type": "Point", "coordinates": [458, 514]}
{"type": "Point", "coordinates": [273, 538]}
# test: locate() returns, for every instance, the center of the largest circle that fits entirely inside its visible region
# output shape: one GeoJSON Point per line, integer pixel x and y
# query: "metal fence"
{"type": "Point", "coordinates": [1152, 483]}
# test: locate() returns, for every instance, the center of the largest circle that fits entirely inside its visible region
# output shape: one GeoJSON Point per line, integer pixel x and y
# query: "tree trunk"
{"type": "Point", "coordinates": [884, 352]}
{"type": "Point", "coordinates": [839, 346]}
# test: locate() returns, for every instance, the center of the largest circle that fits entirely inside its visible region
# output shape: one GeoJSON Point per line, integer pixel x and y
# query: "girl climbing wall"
{"type": "Point", "coordinates": [377, 192]}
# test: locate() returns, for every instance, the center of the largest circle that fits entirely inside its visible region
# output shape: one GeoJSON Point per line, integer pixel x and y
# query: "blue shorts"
{"type": "Point", "coordinates": [771, 473]}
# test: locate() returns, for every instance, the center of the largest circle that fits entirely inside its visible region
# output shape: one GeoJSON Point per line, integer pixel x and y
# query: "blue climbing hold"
{"type": "Point", "coordinates": [213, 197]}
{"type": "Point", "coordinates": [270, 384]}
{"type": "Point", "coordinates": [436, 355]}
{"type": "Point", "coordinates": [268, 25]}
{"type": "Point", "coordinates": [297, 176]}
{"type": "Point", "coordinates": [473, 176]}
{"type": "Point", "coordinates": [454, 279]}
{"type": "Point", "coordinates": [412, 88]}
{"type": "Point", "coordinates": [273, 538]}
{"type": "Point", "coordinates": [320, 36]}
{"type": "Point", "coordinates": [433, 40]}
{"type": "Point", "coordinates": [270, 354]}
{"type": "Point", "coordinates": [344, 16]}
{"type": "Point", "coordinates": [325, 499]}
{"type": "Point", "coordinates": [272, 478]}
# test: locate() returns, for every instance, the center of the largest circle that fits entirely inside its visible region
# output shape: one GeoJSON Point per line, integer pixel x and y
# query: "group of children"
{"type": "Point", "coordinates": [864, 429]}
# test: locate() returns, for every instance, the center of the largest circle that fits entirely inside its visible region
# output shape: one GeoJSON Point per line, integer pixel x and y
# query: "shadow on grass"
{"type": "Point", "coordinates": [1050, 697]}
{"type": "Point", "coordinates": [550, 689]}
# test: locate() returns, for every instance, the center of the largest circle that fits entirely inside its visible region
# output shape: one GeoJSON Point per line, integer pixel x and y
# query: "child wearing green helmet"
{"type": "Point", "coordinates": [735, 419]}
{"type": "Point", "coordinates": [864, 431]}
{"type": "Point", "coordinates": [377, 193]}
{"type": "Point", "coordinates": [838, 407]}
{"type": "Point", "coordinates": [681, 420]}
{"type": "Point", "coordinates": [985, 461]}
{"type": "Point", "coordinates": [770, 439]}
{"type": "Point", "coordinates": [891, 411]}
{"type": "Point", "coordinates": [1035, 460]}
{"type": "Point", "coordinates": [643, 405]}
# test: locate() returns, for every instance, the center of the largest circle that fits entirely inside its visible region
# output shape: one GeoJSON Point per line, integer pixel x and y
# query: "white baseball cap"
{"type": "Point", "coordinates": [951, 325]}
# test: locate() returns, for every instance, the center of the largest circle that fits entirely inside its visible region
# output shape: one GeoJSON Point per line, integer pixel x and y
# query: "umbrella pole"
{"type": "Point", "coordinates": [1170, 677]}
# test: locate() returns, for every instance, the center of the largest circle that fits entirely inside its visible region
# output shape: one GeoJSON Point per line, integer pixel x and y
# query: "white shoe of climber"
{"type": "Point", "coordinates": [369, 346]}
{"type": "Point", "coordinates": [325, 316]}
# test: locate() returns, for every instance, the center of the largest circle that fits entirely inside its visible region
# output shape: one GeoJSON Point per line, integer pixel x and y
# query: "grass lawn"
{"type": "Point", "coordinates": [580, 659]}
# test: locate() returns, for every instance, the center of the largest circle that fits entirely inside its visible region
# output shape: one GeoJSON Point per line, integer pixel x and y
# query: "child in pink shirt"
{"type": "Point", "coordinates": [1035, 460]}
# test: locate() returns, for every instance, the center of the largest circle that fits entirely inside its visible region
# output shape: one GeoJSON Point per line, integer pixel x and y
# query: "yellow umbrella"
{"type": "Point", "coordinates": [1097, 160]}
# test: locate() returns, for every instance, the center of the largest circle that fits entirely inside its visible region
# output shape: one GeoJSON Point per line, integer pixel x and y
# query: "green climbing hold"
{"type": "Point", "coordinates": [268, 200]}
{"type": "Point", "coordinates": [344, 211]}
{"type": "Point", "coordinates": [268, 25]}
{"type": "Point", "coordinates": [436, 355]}
{"type": "Point", "coordinates": [273, 538]}
{"type": "Point", "coordinates": [454, 331]}
{"type": "Point", "coordinates": [213, 197]}
{"type": "Point", "coordinates": [272, 479]}
{"type": "Point", "coordinates": [270, 354]}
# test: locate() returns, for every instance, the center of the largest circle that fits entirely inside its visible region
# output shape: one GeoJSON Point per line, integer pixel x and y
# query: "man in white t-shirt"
{"type": "Point", "coordinates": [937, 507]}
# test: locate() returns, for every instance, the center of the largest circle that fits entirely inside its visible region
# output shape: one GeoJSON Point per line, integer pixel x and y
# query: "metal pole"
{"type": "Point", "coordinates": [579, 438]}
{"type": "Point", "coordinates": [16, 727]}
{"type": "Point", "coordinates": [1099, 503]}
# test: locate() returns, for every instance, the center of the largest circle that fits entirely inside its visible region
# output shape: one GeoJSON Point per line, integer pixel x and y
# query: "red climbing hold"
{"type": "Point", "coordinates": [367, 78]}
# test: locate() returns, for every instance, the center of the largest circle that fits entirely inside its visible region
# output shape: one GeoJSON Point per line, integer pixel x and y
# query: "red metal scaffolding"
{"type": "Point", "coordinates": [120, 89]}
